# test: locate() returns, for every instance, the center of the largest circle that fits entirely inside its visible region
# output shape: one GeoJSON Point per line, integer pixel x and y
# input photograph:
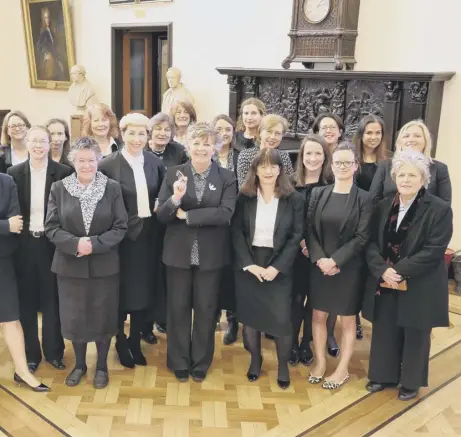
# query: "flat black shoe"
{"type": "Point", "coordinates": [333, 348]}
{"type": "Point", "coordinates": [252, 377]}
{"type": "Point", "coordinates": [39, 389]}
{"type": "Point", "coordinates": [182, 375]}
{"type": "Point", "coordinates": [198, 375]}
{"type": "Point", "coordinates": [283, 384]}
{"type": "Point", "coordinates": [74, 377]}
{"type": "Point", "coordinates": [124, 354]}
{"type": "Point", "coordinates": [33, 366]}
{"type": "Point", "coordinates": [406, 394]}
{"type": "Point", "coordinates": [374, 387]}
{"type": "Point", "coordinates": [101, 379]}
{"type": "Point", "coordinates": [149, 337]}
{"type": "Point", "coordinates": [306, 356]}
{"type": "Point", "coordinates": [135, 348]}
{"type": "Point", "coordinates": [57, 364]}
{"type": "Point", "coordinates": [231, 332]}
{"type": "Point", "coordinates": [161, 327]}
{"type": "Point", "coordinates": [294, 356]}
{"type": "Point", "coordinates": [359, 332]}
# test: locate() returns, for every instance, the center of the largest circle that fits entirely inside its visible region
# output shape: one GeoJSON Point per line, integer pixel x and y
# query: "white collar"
{"type": "Point", "coordinates": [133, 160]}
{"type": "Point", "coordinates": [410, 202]}
{"type": "Point", "coordinates": [42, 170]}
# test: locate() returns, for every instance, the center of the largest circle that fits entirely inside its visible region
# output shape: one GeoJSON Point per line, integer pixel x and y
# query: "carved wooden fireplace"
{"type": "Point", "coordinates": [300, 95]}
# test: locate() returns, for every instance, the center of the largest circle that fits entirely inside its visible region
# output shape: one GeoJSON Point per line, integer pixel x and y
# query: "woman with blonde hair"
{"type": "Point", "coordinates": [183, 115]}
{"type": "Point", "coordinates": [13, 149]}
{"type": "Point", "coordinates": [413, 136]}
{"type": "Point", "coordinates": [271, 131]}
{"type": "Point", "coordinates": [251, 112]}
{"type": "Point", "coordinates": [100, 123]}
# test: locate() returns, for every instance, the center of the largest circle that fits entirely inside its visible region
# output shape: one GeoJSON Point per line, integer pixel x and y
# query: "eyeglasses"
{"type": "Point", "coordinates": [329, 128]}
{"type": "Point", "coordinates": [17, 126]}
{"type": "Point", "coordinates": [38, 142]}
{"type": "Point", "coordinates": [346, 164]}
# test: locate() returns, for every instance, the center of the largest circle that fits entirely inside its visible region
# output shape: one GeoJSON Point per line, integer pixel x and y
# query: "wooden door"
{"type": "Point", "coordinates": [137, 73]}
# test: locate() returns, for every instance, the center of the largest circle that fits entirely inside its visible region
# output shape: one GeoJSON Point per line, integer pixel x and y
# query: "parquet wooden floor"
{"type": "Point", "coordinates": [148, 401]}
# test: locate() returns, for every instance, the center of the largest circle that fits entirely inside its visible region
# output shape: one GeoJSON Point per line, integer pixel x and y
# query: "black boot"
{"type": "Point", "coordinates": [124, 354]}
{"type": "Point", "coordinates": [232, 330]}
{"type": "Point", "coordinates": [135, 347]}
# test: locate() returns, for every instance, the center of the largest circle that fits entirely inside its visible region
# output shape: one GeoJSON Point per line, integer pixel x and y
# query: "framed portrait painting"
{"type": "Point", "coordinates": [49, 41]}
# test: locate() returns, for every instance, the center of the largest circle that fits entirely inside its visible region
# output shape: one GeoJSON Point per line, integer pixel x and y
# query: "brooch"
{"type": "Point", "coordinates": [212, 187]}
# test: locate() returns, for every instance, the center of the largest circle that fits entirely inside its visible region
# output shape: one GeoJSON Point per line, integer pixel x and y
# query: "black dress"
{"type": "Point", "coordinates": [242, 143]}
{"type": "Point", "coordinates": [365, 175]}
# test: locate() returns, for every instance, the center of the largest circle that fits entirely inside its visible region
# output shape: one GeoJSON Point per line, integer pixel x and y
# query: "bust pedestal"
{"type": "Point", "coordinates": [76, 126]}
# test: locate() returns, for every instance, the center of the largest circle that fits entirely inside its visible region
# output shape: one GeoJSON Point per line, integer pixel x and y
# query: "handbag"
{"type": "Point", "coordinates": [401, 287]}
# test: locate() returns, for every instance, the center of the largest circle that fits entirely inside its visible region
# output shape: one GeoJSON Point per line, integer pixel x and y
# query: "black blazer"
{"type": "Point", "coordinates": [9, 207]}
{"type": "Point", "coordinates": [422, 263]}
{"type": "Point", "coordinates": [288, 231]}
{"type": "Point", "coordinates": [355, 229]}
{"type": "Point", "coordinates": [5, 158]}
{"type": "Point", "coordinates": [383, 185]}
{"type": "Point", "coordinates": [116, 167]}
{"type": "Point", "coordinates": [208, 221]}
{"type": "Point", "coordinates": [64, 227]}
{"type": "Point", "coordinates": [21, 175]}
{"type": "Point", "coordinates": [174, 154]}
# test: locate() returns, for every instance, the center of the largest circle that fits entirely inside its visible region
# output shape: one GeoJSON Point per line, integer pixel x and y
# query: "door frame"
{"type": "Point", "coordinates": [117, 31]}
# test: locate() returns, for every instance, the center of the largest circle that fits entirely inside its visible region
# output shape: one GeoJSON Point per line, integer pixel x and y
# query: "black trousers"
{"type": "Point", "coordinates": [300, 309]}
{"type": "Point", "coordinates": [37, 290]}
{"type": "Point", "coordinates": [191, 346]}
{"type": "Point", "coordinates": [397, 355]}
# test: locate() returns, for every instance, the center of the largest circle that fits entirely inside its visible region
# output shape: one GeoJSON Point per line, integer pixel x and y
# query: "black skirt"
{"type": "Point", "coordinates": [9, 307]}
{"type": "Point", "coordinates": [88, 307]}
{"type": "Point", "coordinates": [264, 306]}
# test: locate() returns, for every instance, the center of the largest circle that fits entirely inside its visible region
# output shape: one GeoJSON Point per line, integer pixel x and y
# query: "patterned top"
{"type": "Point", "coordinates": [230, 159]}
{"type": "Point", "coordinates": [246, 157]}
{"type": "Point", "coordinates": [200, 185]}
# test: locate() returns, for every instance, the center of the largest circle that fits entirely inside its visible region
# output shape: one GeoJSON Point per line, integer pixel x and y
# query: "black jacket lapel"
{"type": "Point", "coordinates": [213, 182]}
{"type": "Point", "coordinates": [421, 209]}
{"type": "Point", "coordinates": [280, 211]}
{"type": "Point", "coordinates": [325, 194]}
{"type": "Point", "coordinates": [27, 188]}
{"type": "Point", "coordinates": [50, 178]}
{"type": "Point", "coordinates": [252, 205]}
{"type": "Point", "coordinates": [351, 202]}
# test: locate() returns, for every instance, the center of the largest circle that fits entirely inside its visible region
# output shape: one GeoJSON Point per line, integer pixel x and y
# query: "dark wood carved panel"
{"type": "Point", "coordinates": [301, 95]}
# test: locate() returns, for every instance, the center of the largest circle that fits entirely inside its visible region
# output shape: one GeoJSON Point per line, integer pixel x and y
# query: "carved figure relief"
{"type": "Point", "coordinates": [418, 92]}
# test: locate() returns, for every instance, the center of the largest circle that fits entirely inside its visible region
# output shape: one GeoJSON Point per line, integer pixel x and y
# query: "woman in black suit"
{"type": "Point", "coordinates": [196, 203]}
{"type": "Point", "coordinates": [171, 153]}
{"type": "Point", "coordinates": [86, 221]}
{"type": "Point", "coordinates": [267, 229]}
{"type": "Point", "coordinates": [140, 175]}
{"type": "Point", "coordinates": [338, 229]}
{"type": "Point", "coordinates": [13, 149]}
{"type": "Point", "coordinates": [227, 157]}
{"type": "Point", "coordinates": [11, 223]}
{"type": "Point", "coordinates": [60, 140]}
{"type": "Point", "coordinates": [313, 170]}
{"type": "Point", "coordinates": [407, 288]}
{"type": "Point", "coordinates": [413, 136]}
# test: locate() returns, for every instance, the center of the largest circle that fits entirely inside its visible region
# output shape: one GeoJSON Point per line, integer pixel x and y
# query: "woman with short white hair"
{"type": "Point", "coordinates": [140, 174]}
{"type": "Point", "coordinates": [413, 136]}
{"type": "Point", "coordinates": [407, 288]}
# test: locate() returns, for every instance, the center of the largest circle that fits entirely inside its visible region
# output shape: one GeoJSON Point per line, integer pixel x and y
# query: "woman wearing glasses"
{"type": "Point", "coordinates": [330, 127]}
{"type": "Point", "coordinates": [13, 148]}
{"type": "Point", "coordinates": [338, 229]}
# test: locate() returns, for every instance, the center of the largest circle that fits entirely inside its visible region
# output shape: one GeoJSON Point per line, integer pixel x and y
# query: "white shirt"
{"type": "Point", "coordinates": [142, 193]}
{"type": "Point", "coordinates": [37, 199]}
{"type": "Point", "coordinates": [15, 159]}
{"type": "Point", "coordinates": [403, 209]}
{"type": "Point", "coordinates": [265, 222]}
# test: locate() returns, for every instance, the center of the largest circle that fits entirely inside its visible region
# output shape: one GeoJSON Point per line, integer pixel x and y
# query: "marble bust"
{"type": "Point", "coordinates": [177, 91]}
{"type": "Point", "coordinates": [81, 93]}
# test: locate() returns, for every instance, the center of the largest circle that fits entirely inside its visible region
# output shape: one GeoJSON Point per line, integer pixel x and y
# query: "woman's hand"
{"type": "Point", "coordinates": [392, 277]}
{"type": "Point", "coordinates": [257, 271]}
{"type": "Point", "coordinates": [304, 250]}
{"type": "Point", "coordinates": [179, 188]}
{"type": "Point", "coordinates": [326, 265]}
{"type": "Point", "coordinates": [84, 246]}
{"type": "Point", "coordinates": [270, 273]}
{"type": "Point", "coordinates": [16, 224]}
{"type": "Point", "coordinates": [333, 271]}
{"type": "Point", "coordinates": [181, 214]}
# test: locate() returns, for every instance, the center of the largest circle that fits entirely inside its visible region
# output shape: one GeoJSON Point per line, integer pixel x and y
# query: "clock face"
{"type": "Point", "coordinates": [316, 10]}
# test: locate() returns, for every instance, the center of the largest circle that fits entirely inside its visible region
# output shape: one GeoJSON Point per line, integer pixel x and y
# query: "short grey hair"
{"type": "Point", "coordinates": [84, 143]}
{"type": "Point", "coordinates": [201, 130]}
{"type": "Point", "coordinates": [416, 159]}
{"type": "Point", "coordinates": [160, 118]}
{"type": "Point", "coordinates": [134, 119]}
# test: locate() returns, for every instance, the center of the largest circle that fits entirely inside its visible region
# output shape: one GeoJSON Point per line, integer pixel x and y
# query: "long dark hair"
{"type": "Point", "coordinates": [283, 187]}
{"type": "Point", "coordinates": [326, 175]}
{"type": "Point", "coordinates": [381, 150]}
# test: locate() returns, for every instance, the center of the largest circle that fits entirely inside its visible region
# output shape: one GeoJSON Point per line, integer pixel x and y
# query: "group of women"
{"type": "Point", "coordinates": [172, 233]}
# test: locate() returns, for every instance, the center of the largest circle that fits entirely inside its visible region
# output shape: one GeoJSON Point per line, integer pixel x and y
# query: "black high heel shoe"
{"type": "Point", "coordinates": [252, 377]}
{"type": "Point", "coordinates": [40, 388]}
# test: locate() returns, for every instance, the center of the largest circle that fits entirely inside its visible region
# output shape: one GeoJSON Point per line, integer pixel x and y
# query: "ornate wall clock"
{"type": "Point", "coordinates": [323, 34]}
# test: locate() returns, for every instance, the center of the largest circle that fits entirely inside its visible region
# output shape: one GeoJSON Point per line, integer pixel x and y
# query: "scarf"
{"type": "Point", "coordinates": [89, 197]}
{"type": "Point", "coordinates": [393, 237]}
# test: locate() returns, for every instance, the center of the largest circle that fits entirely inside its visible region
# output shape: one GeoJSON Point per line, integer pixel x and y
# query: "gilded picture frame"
{"type": "Point", "coordinates": [49, 43]}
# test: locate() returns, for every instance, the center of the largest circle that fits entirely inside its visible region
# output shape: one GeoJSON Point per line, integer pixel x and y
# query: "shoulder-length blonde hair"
{"type": "Point", "coordinates": [381, 150]}
{"type": "Point", "coordinates": [426, 134]}
{"type": "Point", "coordinates": [251, 101]}
{"type": "Point", "coordinates": [326, 175]}
{"type": "Point", "coordinates": [5, 139]}
{"type": "Point", "coordinates": [106, 112]}
{"type": "Point", "coordinates": [283, 186]}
